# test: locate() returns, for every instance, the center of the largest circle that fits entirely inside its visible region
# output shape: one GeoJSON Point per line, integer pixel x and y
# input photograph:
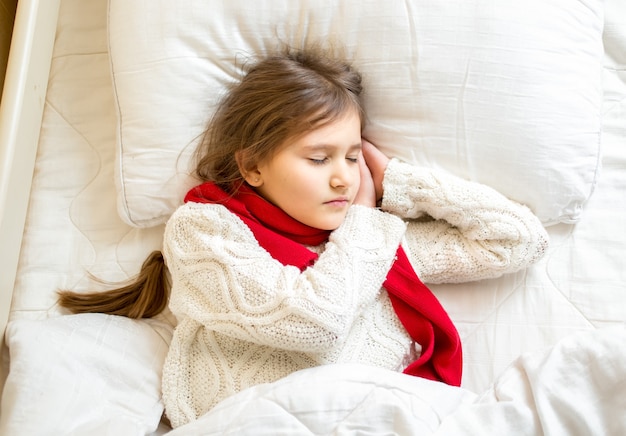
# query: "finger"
{"type": "Point", "coordinates": [367, 148]}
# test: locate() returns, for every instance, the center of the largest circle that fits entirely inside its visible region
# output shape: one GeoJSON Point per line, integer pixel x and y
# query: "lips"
{"type": "Point", "coordinates": [338, 202]}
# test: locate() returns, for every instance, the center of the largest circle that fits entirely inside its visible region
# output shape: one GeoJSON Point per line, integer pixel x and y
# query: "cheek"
{"type": "Point", "coordinates": [301, 175]}
{"type": "Point", "coordinates": [296, 183]}
{"type": "Point", "coordinates": [356, 177]}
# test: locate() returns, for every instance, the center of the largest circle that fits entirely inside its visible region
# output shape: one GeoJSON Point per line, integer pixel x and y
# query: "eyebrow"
{"type": "Point", "coordinates": [325, 147]}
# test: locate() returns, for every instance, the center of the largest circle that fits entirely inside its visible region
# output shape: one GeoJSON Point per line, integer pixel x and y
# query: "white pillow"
{"type": "Point", "coordinates": [505, 93]}
{"type": "Point", "coordinates": [83, 374]}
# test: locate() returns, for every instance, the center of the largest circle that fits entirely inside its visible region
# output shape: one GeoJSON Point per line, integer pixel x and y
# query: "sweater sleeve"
{"type": "Point", "coordinates": [225, 281]}
{"type": "Point", "coordinates": [460, 230]}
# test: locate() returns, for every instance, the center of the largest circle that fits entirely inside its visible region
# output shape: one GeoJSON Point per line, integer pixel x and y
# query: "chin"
{"type": "Point", "coordinates": [329, 224]}
{"type": "Point", "coordinates": [332, 225]}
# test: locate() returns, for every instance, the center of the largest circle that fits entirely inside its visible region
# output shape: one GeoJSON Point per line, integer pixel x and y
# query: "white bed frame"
{"type": "Point", "coordinates": [21, 110]}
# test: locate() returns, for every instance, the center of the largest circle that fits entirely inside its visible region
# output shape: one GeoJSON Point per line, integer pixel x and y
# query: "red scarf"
{"type": "Point", "coordinates": [417, 308]}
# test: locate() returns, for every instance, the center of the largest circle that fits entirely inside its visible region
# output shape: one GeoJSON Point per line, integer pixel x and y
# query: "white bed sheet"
{"type": "Point", "coordinates": [73, 229]}
{"type": "Point", "coordinates": [73, 237]}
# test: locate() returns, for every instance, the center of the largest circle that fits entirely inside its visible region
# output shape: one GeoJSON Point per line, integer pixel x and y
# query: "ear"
{"type": "Point", "coordinates": [251, 175]}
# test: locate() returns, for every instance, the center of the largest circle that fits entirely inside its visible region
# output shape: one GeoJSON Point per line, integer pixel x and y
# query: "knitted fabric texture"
{"type": "Point", "coordinates": [417, 308]}
{"type": "Point", "coordinates": [244, 318]}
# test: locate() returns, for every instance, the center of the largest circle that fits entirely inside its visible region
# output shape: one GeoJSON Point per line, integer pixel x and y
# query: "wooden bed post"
{"type": "Point", "coordinates": [21, 111]}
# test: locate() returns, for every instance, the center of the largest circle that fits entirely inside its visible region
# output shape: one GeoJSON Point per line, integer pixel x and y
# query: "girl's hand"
{"type": "Point", "coordinates": [377, 163]}
{"type": "Point", "coordinates": [366, 195]}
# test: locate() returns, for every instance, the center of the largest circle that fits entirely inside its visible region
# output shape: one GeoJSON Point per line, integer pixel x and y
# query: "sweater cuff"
{"type": "Point", "coordinates": [402, 185]}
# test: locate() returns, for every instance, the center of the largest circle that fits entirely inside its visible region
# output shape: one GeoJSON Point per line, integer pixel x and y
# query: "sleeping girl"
{"type": "Point", "coordinates": [305, 245]}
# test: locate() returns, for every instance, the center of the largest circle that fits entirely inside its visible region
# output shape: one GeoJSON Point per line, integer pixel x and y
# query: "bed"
{"type": "Point", "coordinates": [104, 100]}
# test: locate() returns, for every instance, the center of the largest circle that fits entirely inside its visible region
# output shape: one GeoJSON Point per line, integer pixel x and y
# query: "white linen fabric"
{"type": "Point", "coordinates": [506, 93]}
{"type": "Point", "coordinates": [574, 388]}
{"type": "Point", "coordinates": [73, 228]}
{"type": "Point", "coordinates": [84, 374]}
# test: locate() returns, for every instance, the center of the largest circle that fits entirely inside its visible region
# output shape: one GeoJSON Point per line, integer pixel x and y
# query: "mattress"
{"type": "Point", "coordinates": [75, 238]}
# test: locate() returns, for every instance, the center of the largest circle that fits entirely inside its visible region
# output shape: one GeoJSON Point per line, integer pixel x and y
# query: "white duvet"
{"type": "Point", "coordinates": [575, 388]}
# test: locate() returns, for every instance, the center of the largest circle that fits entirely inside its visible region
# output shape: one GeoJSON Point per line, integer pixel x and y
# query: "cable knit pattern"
{"type": "Point", "coordinates": [244, 318]}
{"type": "Point", "coordinates": [458, 230]}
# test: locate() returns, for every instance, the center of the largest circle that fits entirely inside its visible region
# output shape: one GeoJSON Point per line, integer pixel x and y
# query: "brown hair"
{"type": "Point", "coordinates": [280, 97]}
{"type": "Point", "coordinates": [143, 297]}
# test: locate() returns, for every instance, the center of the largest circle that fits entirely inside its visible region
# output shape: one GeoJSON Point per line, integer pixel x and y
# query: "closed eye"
{"type": "Point", "coordinates": [319, 161]}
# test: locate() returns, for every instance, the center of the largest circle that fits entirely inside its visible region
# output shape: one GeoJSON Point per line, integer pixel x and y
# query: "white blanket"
{"type": "Point", "coordinates": [576, 387]}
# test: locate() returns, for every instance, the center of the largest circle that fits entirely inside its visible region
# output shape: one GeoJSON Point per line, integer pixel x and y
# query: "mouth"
{"type": "Point", "coordinates": [338, 202]}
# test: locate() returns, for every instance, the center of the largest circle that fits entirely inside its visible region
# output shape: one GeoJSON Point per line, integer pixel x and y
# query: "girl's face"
{"type": "Point", "coordinates": [314, 178]}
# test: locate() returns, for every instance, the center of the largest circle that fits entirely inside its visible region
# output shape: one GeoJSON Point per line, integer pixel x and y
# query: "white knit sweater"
{"type": "Point", "coordinates": [245, 319]}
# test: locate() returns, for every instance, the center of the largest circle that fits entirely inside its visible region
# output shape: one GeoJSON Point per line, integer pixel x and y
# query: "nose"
{"type": "Point", "coordinates": [342, 174]}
